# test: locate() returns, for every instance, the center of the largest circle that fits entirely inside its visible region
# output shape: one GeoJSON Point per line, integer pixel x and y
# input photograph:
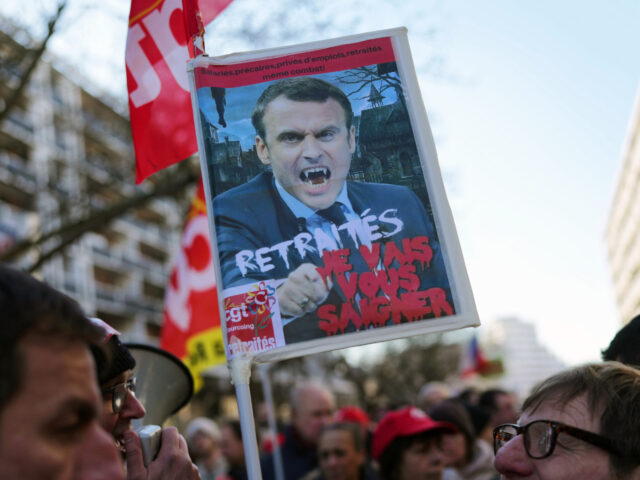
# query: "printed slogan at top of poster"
{"type": "Point", "coordinates": [330, 220]}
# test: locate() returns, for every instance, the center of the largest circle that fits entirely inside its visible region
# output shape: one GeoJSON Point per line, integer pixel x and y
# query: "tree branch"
{"type": "Point", "coordinates": [13, 97]}
{"type": "Point", "coordinates": [94, 221]}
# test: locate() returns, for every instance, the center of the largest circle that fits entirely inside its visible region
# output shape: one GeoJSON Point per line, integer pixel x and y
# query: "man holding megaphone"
{"type": "Point", "coordinates": [120, 406]}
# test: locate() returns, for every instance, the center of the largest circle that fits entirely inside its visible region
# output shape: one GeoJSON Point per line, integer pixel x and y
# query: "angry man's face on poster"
{"type": "Point", "coordinates": [309, 148]}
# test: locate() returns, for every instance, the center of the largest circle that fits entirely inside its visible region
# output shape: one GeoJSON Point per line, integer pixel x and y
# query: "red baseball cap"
{"type": "Point", "coordinates": [402, 423]}
{"type": "Point", "coordinates": [353, 414]}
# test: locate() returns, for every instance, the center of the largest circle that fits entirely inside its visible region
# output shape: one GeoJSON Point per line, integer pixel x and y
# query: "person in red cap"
{"type": "Point", "coordinates": [407, 445]}
{"type": "Point", "coordinates": [353, 414]}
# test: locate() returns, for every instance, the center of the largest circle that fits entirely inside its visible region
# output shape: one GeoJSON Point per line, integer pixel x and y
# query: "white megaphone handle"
{"type": "Point", "coordinates": [150, 438]}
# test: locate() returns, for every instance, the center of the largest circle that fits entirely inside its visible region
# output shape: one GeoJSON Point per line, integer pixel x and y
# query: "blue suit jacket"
{"type": "Point", "coordinates": [253, 216]}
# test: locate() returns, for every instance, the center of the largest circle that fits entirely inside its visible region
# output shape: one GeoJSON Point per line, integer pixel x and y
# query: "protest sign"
{"type": "Point", "coordinates": [330, 222]}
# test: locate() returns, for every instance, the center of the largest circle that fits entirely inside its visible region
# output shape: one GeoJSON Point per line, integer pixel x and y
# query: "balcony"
{"type": "Point", "coordinates": [157, 272]}
{"type": "Point", "coordinates": [19, 127]}
{"type": "Point", "coordinates": [125, 261]}
{"type": "Point", "coordinates": [17, 185]}
{"type": "Point", "coordinates": [111, 300]}
{"type": "Point", "coordinates": [17, 166]}
{"type": "Point", "coordinates": [142, 305]}
{"type": "Point", "coordinates": [101, 171]}
{"type": "Point", "coordinates": [103, 133]}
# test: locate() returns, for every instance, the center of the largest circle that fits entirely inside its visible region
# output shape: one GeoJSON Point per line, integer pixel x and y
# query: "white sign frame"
{"type": "Point", "coordinates": [460, 289]}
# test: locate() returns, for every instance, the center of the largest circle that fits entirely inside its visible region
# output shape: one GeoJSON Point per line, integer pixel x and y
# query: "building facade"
{"type": "Point", "coordinates": [526, 361]}
{"type": "Point", "coordinates": [65, 152]}
{"type": "Point", "coordinates": [623, 226]}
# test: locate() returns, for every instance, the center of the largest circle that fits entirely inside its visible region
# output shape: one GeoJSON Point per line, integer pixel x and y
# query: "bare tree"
{"type": "Point", "coordinates": [385, 76]}
{"type": "Point", "coordinates": [96, 220]}
{"type": "Point", "coordinates": [389, 381]}
{"type": "Point", "coordinates": [30, 62]}
{"type": "Point", "coordinates": [51, 242]}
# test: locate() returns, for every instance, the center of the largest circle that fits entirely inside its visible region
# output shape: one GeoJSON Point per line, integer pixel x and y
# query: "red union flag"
{"type": "Point", "coordinates": [159, 100]}
{"type": "Point", "coordinates": [191, 329]}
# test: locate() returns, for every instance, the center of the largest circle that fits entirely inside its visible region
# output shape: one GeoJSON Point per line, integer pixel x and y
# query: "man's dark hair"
{"type": "Point", "coordinates": [351, 428]}
{"type": "Point", "coordinates": [391, 456]}
{"type": "Point", "coordinates": [487, 399]}
{"type": "Point", "coordinates": [30, 306]}
{"type": "Point", "coordinates": [234, 426]}
{"type": "Point", "coordinates": [612, 394]}
{"type": "Point", "coordinates": [625, 346]}
{"type": "Point", "coordinates": [299, 89]}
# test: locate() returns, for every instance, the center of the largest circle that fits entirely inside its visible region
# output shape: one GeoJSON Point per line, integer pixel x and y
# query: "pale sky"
{"type": "Point", "coordinates": [529, 108]}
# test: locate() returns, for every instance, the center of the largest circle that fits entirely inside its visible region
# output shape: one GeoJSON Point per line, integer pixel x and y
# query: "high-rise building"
{"type": "Point", "coordinates": [65, 151]}
{"type": "Point", "coordinates": [623, 226]}
{"type": "Point", "coordinates": [525, 360]}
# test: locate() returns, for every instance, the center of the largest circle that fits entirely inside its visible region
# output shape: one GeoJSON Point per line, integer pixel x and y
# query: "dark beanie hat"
{"type": "Point", "coordinates": [453, 411]}
{"type": "Point", "coordinates": [112, 358]}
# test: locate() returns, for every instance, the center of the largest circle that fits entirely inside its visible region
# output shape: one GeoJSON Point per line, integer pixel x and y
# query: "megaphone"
{"type": "Point", "coordinates": [163, 383]}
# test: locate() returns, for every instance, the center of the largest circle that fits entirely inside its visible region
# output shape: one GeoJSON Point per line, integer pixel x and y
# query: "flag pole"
{"type": "Point", "coordinates": [263, 371]}
{"type": "Point", "coordinates": [194, 27]}
{"type": "Point", "coordinates": [240, 369]}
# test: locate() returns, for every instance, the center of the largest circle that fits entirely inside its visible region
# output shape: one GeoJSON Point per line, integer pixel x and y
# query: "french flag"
{"type": "Point", "coordinates": [474, 361]}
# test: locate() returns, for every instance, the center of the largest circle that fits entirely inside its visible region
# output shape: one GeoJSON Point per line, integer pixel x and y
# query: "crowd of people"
{"type": "Point", "coordinates": [67, 400]}
{"type": "Point", "coordinates": [323, 442]}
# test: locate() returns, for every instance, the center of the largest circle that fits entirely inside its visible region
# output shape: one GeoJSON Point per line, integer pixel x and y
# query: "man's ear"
{"type": "Point", "coordinates": [352, 139]}
{"type": "Point", "coordinates": [262, 150]}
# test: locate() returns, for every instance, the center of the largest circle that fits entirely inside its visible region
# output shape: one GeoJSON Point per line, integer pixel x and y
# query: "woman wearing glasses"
{"type": "Point", "coordinates": [583, 423]}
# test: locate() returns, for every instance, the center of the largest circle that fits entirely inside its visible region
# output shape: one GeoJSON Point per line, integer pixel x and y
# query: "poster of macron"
{"type": "Point", "coordinates": [331, 224]}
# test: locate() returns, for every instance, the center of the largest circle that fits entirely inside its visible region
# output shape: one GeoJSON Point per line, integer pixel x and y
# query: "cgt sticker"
{"type": "Point", "coordinates": [252, 319]}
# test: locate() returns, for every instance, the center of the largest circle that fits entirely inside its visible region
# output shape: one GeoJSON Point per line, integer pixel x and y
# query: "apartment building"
{"type": "Point", "coordinates": [526, 360]}
{"type": "Point", "coordinates": [66, 150]}
{"type": "Point", "coordinates": [623, 226]}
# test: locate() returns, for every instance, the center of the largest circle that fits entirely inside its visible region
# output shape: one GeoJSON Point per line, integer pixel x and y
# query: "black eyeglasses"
{"type": "Point", "coordinates": [119, 393]}
{"type": "Point", "coordinates": [540, 437]}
